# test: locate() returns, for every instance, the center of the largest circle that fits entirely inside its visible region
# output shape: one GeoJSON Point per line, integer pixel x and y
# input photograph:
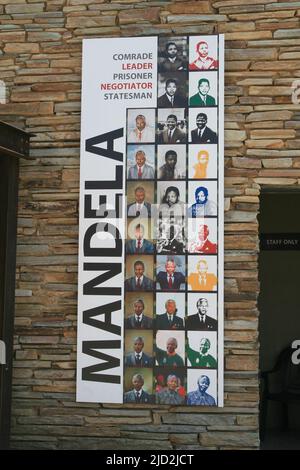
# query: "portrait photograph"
{"type": "Point", "coordinates": [169, 348]}
{"type": "Point", "coordinates": [169, 385]}
{"type": "Point", "coordinates": [203, 197]}
{"type": "Point", "coordinates": [147, 260]}
{"type": "Point", "coordinates": [202, 305]}
{"type": "Point", "coordinates": [203, 125]}
{"type": "Point", "coordinates": [203, 53]}
{"type": "Point", "coordinates": [202, 236]}
{"type": "Point", "coordinates": [203, 89]}
{"type": "Point", "coordinates": [172, 54]}
{"type": "Point", "coordinates": [131, 343]}
{"type": "Point", "coordinates": [201, 387]}
{"type": "Point", "coordinates": [203, 161]}
{"type": "Point", "coordinates": [172, 126]}
{"type": "Point", "coordinates": [132, 297]}
{"type": "Point", "coordinates": [201, 349]}
{"type": "Point", "coordinates": [138, 380]}
{"type": "Point", "coordinates": [172, 90]}
{"type": "Point", "coordinates": [171, 162]}
{"type": "Point", "coordinates": [146, 227]}
{"type": "Point", "coordinates": [140, 199]}
{"type": "Point", "coordinates": [170, 311]}
{"type": "Point", "coordinates": [202, 273]}
{"type": "Point", "coordinates": [140, 126]}
{"type": "Point", "coordinates": [174, 199]}
{"type": "Point", "coordinates": [139, 273]}
{"type": "Point", "coordinates": [140, 162]}
{"type": "Point", "coordinates": [170, 272]}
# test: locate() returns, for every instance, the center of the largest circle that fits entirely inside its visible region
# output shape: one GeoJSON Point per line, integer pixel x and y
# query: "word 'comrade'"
{"type": "Point", "coordinates": [139, 56]}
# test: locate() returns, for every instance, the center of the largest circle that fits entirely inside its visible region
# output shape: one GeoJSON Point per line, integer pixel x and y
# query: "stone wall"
{"type": "Point", "coordinates": [40, 62]}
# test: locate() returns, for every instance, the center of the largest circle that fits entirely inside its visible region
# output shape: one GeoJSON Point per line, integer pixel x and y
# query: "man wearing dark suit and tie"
{"type": "Point", "coordinates": [139, 244]}
{"type": "Point", "coordinates": [169, 319]}
{"type": "Point", "coordinates": [138, 358]}
{"type": "Point", "coordinates": [138, 320]}
{"type": "Point", "coordinates": [203, 134]}
{"type": "Point", "coordinates": [171, 99]}
{"type": "Point", "coordinates": [138, 395]}
{"type": "Point", "coordinates": [171, 134]}
{"type": "Point", "coordinates": [202, 98]}
{"type": "Point", "coordinates": [139, 282]}
{"type": "Point", "coordinates": [169, 279]}
{"type": "Point", "coordinates": [140, 208]}
{"type": "Point", "coordinates": [201, 321]}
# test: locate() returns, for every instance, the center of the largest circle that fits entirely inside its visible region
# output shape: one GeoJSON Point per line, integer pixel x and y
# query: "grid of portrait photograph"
{"type": "Point", "coordinates": [171, 260]}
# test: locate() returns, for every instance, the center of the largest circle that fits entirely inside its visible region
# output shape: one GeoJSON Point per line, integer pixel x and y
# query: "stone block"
{"type": "Point", "coordinates": [83, 21]}
{"type": "Point", "coordinates": [240, 363]}
{"type": "Point", "coordinates": [245, 162]}
{"type": "Point", "coordinates": [149, 14]}
{"type": "Point", "coordinates": [188, 19]}
{"type": "Point", "coordinates": [191, 7]}
{"type": "Point", "coordinates": [277, 163]}
{"type": "Point", "coordinates": [265, 143]}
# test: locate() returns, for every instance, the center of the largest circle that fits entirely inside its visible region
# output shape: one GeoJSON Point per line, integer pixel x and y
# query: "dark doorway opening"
{"type": "Point", "coordinates": [279, 323]}
{"type": "Point", "coordinates": [14, 144]}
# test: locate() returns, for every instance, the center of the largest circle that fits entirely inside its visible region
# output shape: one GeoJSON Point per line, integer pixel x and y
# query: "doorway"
{"type": "Point", "coordinates": [14, 144]}
{"type": "Point", "coordinates": [279, 304]}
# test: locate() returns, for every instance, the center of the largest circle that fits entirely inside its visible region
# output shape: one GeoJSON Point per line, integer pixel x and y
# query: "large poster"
{"type": "Point", "coordinates": [150, 288]}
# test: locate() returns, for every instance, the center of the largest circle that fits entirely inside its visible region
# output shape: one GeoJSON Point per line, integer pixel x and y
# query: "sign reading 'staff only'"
{"type": "Point", "coordinates": [150, 280]}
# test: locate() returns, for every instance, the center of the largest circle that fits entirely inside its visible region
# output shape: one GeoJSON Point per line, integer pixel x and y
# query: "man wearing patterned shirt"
{"type": "Point", "coordinates": [200, 397]}
{"type": "Point", "coordinates": [171, 395]}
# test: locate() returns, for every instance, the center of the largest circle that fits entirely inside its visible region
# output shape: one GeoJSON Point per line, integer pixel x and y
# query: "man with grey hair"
{"type": "Point", "coordinates": [200, 397]}
{"type": "Point", "coordinates": [169, 320]}
{"type": "Point", "coordinates": [201, 358]}
{"type": "Point", "coordinates": [170, 396]}
{"type": "Point", "coordinates": [138, 358]}
{"type": "Point", "coordinates": [169, 357]}
{"type": "Point", "coordinates": [137, 394]}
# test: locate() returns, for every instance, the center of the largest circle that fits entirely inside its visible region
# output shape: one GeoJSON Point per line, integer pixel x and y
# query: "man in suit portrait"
{"type": "Point", "coordinates": [203, 134]}
{"type": "Point", "coordinates": [169, 320]}
{"type": "Point", "coordinates": [201, 358]}
{"type": "Point", "coordinates": [200, 320]}
{"type": "Point", "coordinates": [172, 134]}
{"type": "Point", "coordinates": [169, 357]}
{"type": "Point", "coordinates": [137, 394]}
{"type": "Point", "coordinates": [138, 319]}
{"type": "Point", "coordinates": [138, 358]}
{"type": "Point", "coordinates": [202, 98]}
{"type": "Point", "coordinates": [170, 396]}
{"type": "Point", "coordinates": [202, 280]}
{"type": "Point", "coordinates": [141, 132]}
{"type": "Point", "coordinates": [170, 279]}
{"type": "Point", "coordinates": [139, 282]}
{"type": "Point", "coordinates": [171, 98]}
{"type": "Point", "coordinates": [172, 62]}
{"type": "Point", "coordinates": [141, 170]}
{"type": "Point", "coordinates": [139, 244]}
{"type": "Point", "coordinates": [203, 245]}
{"type": "Point", "coordinates": [140, 208]}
